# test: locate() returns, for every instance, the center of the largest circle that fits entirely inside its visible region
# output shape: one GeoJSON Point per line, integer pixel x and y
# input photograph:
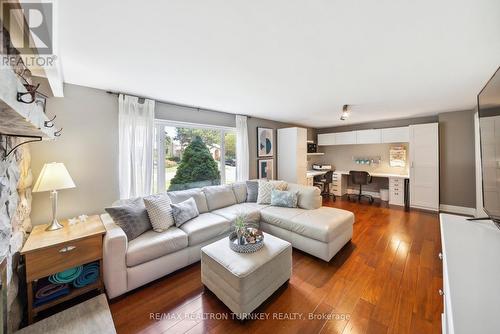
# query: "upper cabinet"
{"type": "Point", "coordinates": [395, 135]}
{"type": "Point", "coordinates": [345, 138]}
{"type": "Point", "coordinates": [368, 136]}
{"type": "Point", "coordinates": [326, 139]}
{"type": "Point", "coordinates": [372, 136]}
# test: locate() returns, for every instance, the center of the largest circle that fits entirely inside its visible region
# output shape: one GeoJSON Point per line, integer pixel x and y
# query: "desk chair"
{"type": "Point", "coordinates": [360, 178]}
{"type": "Point", "coordinates": [323, 182]}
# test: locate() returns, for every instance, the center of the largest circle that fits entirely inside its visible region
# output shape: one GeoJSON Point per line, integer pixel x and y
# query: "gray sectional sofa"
{"type": "Point", "coordinates": [319, 231]}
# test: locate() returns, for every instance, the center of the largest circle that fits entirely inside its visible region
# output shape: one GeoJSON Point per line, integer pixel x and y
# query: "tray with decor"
{"type": "Point", "coordinates": [251, 240]}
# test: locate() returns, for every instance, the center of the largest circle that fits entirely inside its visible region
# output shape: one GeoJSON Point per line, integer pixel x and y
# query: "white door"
{"type": "Point", "coordinates": [424, 166]}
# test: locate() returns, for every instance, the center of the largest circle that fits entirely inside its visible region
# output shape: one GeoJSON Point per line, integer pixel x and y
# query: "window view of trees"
{"type": "Point", "coordinates": [196, 169]}
{"type": "Point", "coordinates": [195, 157]}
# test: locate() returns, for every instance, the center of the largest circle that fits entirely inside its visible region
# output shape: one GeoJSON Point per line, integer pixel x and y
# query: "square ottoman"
{"type": "Point", "coordinates": [244, 281]}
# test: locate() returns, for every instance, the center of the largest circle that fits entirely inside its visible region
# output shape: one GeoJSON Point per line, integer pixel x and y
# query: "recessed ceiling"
{"type": "Point", "coordinates": [292, 61]}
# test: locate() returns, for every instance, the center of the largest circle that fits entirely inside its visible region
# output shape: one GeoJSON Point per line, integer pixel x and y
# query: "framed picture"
{"type": "Point", "coordinates": [265, 167]}
{"type": "Point", "coordinates": [265, 142]}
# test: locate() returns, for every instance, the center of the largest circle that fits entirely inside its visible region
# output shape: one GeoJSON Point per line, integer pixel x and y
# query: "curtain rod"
{"type": "Point", "coordinates": [176, 104]}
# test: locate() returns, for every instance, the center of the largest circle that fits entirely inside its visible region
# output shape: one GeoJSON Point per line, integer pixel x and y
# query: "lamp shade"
{"type": "Point", "coordinates": [54, 176]}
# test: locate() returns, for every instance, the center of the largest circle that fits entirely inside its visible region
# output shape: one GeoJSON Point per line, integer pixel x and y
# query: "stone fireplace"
{"type": "Point", "coordinates": [15, 208]}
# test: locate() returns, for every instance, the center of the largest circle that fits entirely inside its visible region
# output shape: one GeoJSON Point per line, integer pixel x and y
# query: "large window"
{"type": "Point", "coordinates": [192, 155]}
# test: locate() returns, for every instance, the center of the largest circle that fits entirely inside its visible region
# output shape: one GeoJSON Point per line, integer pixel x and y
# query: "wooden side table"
{"type": "Point", "coordinates": [50, 252]}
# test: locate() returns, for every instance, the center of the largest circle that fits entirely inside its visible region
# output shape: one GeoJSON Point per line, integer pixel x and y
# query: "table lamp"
{"type": "Point", "coordinates": [53, 177]}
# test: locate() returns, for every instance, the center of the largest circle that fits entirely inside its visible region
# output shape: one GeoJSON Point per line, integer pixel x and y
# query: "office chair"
{"type": "Point", "coordinates": [323, 182]}
{"type": "Point", "coordinates": [360, 178]}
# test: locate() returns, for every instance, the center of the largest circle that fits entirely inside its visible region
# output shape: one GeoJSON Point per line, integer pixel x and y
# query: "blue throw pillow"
{"type": "Point", "coordinates": [287, 199]}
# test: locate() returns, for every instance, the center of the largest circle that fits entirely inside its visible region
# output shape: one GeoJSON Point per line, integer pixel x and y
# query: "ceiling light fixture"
{"type": "Point", "coordinates": [346, 112]}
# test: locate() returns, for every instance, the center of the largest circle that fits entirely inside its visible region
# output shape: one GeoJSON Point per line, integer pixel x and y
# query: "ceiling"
{"type": "Point", "coordinates": [292, 61]}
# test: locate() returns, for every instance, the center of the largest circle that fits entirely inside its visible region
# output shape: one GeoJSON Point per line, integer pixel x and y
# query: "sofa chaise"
{"type": "Point", "coordinates": [319, 231]}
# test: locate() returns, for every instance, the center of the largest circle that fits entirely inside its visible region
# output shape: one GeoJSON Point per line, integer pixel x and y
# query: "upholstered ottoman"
{"type": "Point", "coordinates": [244, 281]}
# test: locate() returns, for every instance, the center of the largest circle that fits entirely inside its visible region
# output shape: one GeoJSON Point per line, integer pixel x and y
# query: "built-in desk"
{"type": "Point", "coordinates": [378, 174]}
{"type": "Point", "coordinates": [398, 184]}
{"type": "Point", "coordinates": [310, 174]}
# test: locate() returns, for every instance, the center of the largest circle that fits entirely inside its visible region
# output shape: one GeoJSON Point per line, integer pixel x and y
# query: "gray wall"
{"type": "Point", "coordinates": [89, 149]}
{"type": "Point", "coordinates": [457, 159]}
{"type": "Point", "coordinates": [253, 123]}
{"type": "Point", "coordinates": [89, 146]}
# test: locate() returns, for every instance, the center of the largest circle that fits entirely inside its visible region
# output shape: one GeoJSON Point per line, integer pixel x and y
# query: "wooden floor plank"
{"type": "Point", "coordinates": [384, 281]}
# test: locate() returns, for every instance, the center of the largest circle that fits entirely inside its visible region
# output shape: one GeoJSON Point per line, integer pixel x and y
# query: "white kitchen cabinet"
{"type": "Point", "coordinates": [424, 166]}
{"type": "Point", "coordinates": [395, 135]}
{"type": "Point", "coordinates": [345, 138]}
{"type": "Point", "coordinates": [368, 136]}
{"type": "Point", "coordinates": [372, 136]}
{"type": "Point", "coordinates": [292, 155]}
{"type": "Point", "coordinates": [326, 139]}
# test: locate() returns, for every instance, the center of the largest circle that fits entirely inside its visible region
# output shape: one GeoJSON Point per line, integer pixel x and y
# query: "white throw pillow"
{"type": "Point", "coordinates": [159, 211]}
{"type": "Point", "coordinates": [266, 188]}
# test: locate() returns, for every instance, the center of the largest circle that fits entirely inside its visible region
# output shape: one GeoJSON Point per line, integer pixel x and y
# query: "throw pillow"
{"type": "Point", "coordinates": [252, 190]}
{"type": "Point", "coordinates": [184, 211]}
{"type": "Point", "coordinates": [159, 211]}
{"type": "Point", "coordinates": [265, 189]}
{"type": "Point", "coordinates": [131, 216]}
{"type": "Point", "coordinates": [287, 199]}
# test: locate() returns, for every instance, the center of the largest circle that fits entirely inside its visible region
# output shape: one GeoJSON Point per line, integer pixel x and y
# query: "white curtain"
{"type": "Point", "coordinates": [135, 155]}
{"type": "Point", "coordinates": [242, 154]}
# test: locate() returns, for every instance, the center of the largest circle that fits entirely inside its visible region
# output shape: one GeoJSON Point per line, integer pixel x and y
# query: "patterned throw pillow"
{"type": "Point", "coordinates": [265, 189]}
{"type": "Point", "coordinates": [252, 190]}
{"type": "Point", "coordinates": [184, 211]}
{"type": "Point", "coordinates": [131, 216]}
{"type": "Point", "coordinates": [159, 211]}
{"type": "Point", "coordinates": [287, 199]}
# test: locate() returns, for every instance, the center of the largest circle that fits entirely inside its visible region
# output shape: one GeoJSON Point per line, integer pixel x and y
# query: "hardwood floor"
{"type": "Point", "coordinates": [385, 281]}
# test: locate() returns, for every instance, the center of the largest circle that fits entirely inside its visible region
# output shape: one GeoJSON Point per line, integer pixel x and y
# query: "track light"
{"type": "Point", "coordinates": [346, 111]}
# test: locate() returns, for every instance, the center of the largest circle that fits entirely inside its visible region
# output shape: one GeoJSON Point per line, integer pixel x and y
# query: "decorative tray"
{"type": "Point", "coordinates": [252, 241]}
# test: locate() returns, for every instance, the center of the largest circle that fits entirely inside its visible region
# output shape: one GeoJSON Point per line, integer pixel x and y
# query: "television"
{"type": "Point", "coordinates": [488, 102]}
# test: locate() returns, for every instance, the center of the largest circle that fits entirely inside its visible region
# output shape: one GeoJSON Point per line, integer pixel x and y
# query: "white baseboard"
{"type": "Point", "coordinates": [461, 210]}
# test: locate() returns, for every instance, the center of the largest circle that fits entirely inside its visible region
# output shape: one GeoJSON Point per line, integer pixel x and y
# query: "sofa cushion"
{"type": "Point", "coordinates": [265, 189]}
{"type": "Point", "coordinates": [159, 211]}
{"type": "Point", "coordinates": [204, 227]}
{"type": "Point", "coordinates": [257, 206]}
{"type": "Point", "coordinates": [196, 193]}
{"type": "Point", "coordinates": [322, 224]}
{"type": "Point", "coordinates": [240, 191]}
{"type": "Point", "coordinates": [309, 197]}
{"type": "Point", "coordinates": [231, 212]}
{"type": "Point", "coordinates": [219, 196]}
{"type": "Point", "coordinates": [252, 190]}
{"type": "Point", "coordinates": [151, 245]}
{"type": "Point", "coordinates": [287, 199]}
{"type": "Point", "coordinates": [184, 211]}
{"type": "Point", "coordinates": [131, 216]}
{"type": "Point", "coordinates": [279, 216]}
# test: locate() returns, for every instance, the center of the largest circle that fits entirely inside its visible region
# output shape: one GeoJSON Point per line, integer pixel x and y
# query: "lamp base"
{"type": "Point", "coordinates": [54, 226]}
